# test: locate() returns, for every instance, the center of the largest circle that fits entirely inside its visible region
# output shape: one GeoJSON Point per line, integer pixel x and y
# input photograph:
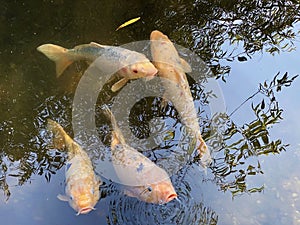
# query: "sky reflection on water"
{"type": "Point", "coordinates": [279, 203]}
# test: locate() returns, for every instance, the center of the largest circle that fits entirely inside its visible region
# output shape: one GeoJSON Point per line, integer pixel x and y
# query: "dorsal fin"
{"type": "Point", "coordinates": [61, 135]}
{"type": "Point", "coordinates": [117, 137]}
{"type": "Point", "coordinates": [95, 44]}
{"type": "Point", "coordinates": [63, 198]}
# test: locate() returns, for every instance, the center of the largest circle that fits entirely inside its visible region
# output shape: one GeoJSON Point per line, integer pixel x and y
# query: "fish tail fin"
{"type": "Point", "coordinates": [116, 133]}
{"type": "Point", "coordinates": [57, 54]}
{"type": "Point", "coordinates": [60, 137]}
{"type": "Point", "coordinates": [204, 153]}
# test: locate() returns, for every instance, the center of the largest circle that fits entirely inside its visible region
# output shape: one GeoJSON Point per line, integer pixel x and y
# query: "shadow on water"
{"type": "Point", "coordinates": [220, 32]}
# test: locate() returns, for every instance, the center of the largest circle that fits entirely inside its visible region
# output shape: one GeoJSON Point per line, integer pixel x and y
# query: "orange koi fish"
{"type": "Point", "coordinates": [82, 184]}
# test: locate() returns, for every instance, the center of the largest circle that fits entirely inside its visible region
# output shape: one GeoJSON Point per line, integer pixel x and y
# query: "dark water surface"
{"type": "Point", "coordinates": [252, 49]}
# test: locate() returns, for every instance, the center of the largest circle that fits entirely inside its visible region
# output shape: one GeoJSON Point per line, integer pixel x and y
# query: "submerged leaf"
{"type": "Point", "coordinates": [128, 23]}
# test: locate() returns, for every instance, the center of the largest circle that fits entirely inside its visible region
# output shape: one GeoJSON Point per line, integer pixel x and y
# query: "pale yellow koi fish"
{"type": "Point", "coordinates": [133, 64]}
{"type": "Point", "coordinates": [172, 69]}
{"type": "Point", "coordinates": [142, 178]}
{"type": "Point", "coordinates": [82, 184]}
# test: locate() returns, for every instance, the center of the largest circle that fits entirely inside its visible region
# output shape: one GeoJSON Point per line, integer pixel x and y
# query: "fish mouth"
{"type": "Point", "coordinates": [85, 210]}
{"type": "Point", "coordinates": [152, 74]}
{"type": "Point", "coordinates": [171, 197]}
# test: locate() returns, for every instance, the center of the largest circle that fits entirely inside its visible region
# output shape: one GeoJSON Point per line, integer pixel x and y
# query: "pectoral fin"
{"type": "Point", "coordinates": [68, 165]}
{"type": "Point", "coordinates": [164, 102]}
{"type": "Point", "coordinates": [115, 140]}
{"type": "Point", "coordinates": [117, 86]}
{"type": "Point", "coordinates": [98, 180]}
{"type": "Point", "coordinates": [63, 198]}
{"type": "Point", "coordinates": [185, 66]}
{"type": "Point", "coordinates": [96, 45]}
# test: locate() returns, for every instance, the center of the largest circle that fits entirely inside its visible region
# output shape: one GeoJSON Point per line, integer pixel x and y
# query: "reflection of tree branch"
{"type": "Point", "coordinates": [244, 102]}
{"type": "Point", "coordinates": [257, 25]}
{"type": "Point", "coordinates": [252, 139]}
{"type": "Point", "coordinates": [268, 89]}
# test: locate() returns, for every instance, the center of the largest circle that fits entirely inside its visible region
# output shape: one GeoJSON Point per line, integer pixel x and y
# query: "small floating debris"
{"type": "Point", "coordinates": [128, 23]}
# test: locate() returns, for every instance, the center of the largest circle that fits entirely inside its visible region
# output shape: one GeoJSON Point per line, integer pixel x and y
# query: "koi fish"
{"type": "Point", "coordinates": [142, 178]}
{"type": "Point", "coordinates": [172, 69]}
{"type": "Point", "coordinates": [133, 64]}
{"type": "Point", "coordinates": [82, 184]}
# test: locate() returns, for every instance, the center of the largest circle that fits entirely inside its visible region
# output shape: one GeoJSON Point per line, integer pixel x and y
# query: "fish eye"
{"type": "Point", "coordinates": [147, 190]}
{"type": "Point", "coordinates": [135, 70]}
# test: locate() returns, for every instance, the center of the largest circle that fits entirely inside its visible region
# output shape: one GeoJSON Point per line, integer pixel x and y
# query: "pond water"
{"type": "Point", "coordinates": [254, 176]}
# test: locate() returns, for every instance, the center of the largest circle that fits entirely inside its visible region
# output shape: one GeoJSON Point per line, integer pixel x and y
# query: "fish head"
{"type": "Point", "coordinates": [139, 70]}
{"type": "Point", "coordinates": [162, 49]}
{"type": "Point", "coordinates": [164, 54]}
{"type": "Point", "coordinates": [83, 196]}
{"type": "Point", "coordinates": [158, 193]}
{"type": "Point", "coordinates": [158, 36]}
{"type": "Point", "coordinates": [167, 60]}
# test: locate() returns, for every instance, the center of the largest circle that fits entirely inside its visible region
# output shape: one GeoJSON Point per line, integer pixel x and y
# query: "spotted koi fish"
{"type": "Point", "coordinates": [142, 178]}
{"type": "Point", "coordinates": [132, 64]}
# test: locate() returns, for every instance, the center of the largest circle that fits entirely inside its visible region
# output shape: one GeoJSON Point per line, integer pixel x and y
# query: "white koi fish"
{"type": "Point", "coordinates": [143, 178]}
{"type": "Point", "coordinates": [82, 184]}
{"type": "Point", "coordinates": [133, 64]}
{"type": "Point", "coordinates": [172, 69]}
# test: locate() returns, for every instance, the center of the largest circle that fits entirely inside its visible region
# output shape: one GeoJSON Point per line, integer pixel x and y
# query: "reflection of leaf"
{"type": "Point", "coordinates": [242, 58]}
{"type": "Point", "coordinates": [128, 23]}
{"type": "Point", "coordinates": [48, 176]}
{"type": "Point", "coordinates": [169, 135]}
{"type": "Point", "coordinates": [259, 189]}
{"type": "Point", "coordinates": [262, 104]}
